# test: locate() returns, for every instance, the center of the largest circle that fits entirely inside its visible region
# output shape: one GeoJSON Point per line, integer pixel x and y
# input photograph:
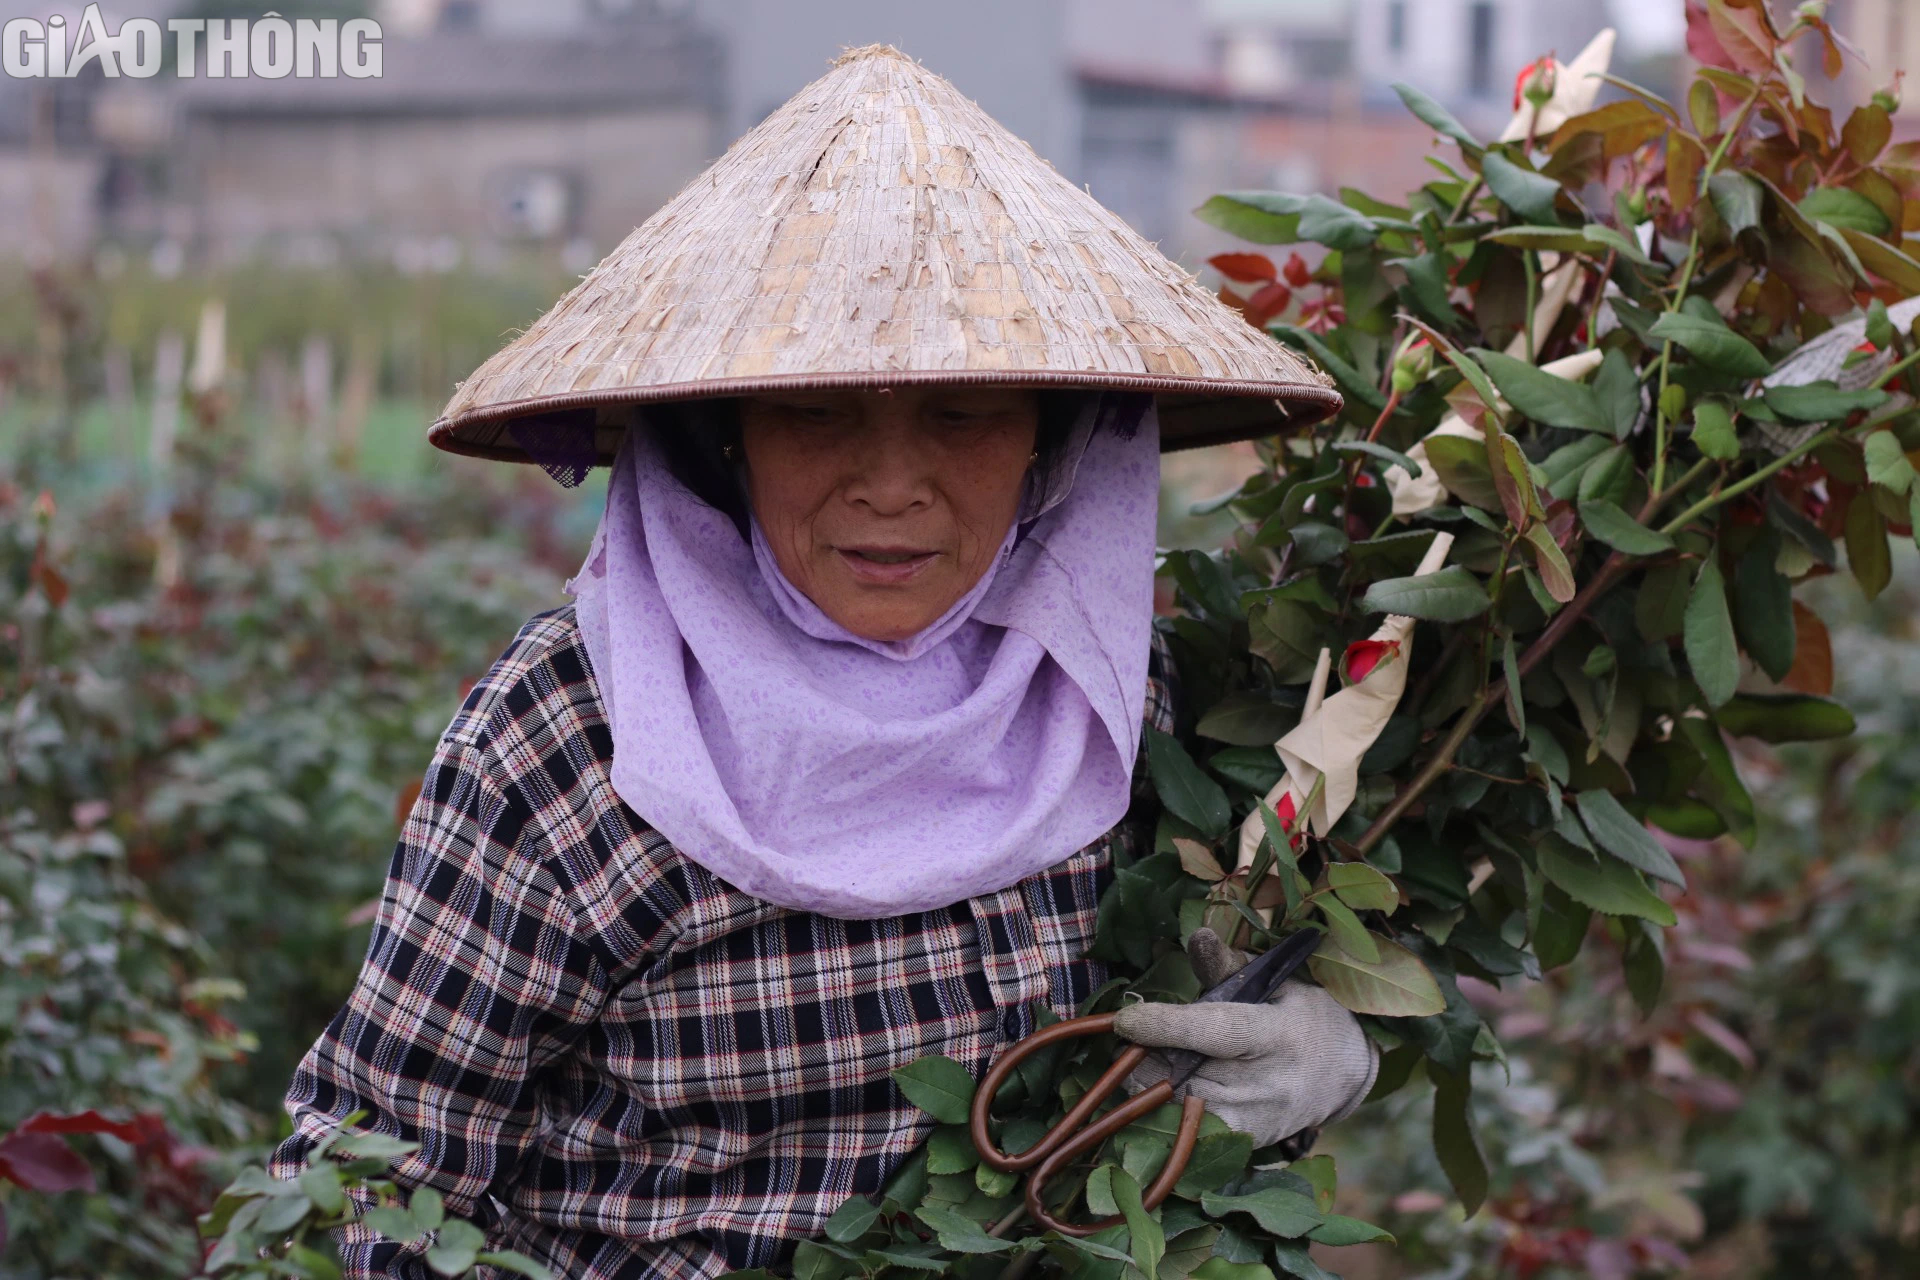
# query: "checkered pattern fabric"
{"type": "Point", "coordinates": [615, 1061]}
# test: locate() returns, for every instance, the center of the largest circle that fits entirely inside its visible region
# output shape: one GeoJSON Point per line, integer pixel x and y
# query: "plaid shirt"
{"type": "Point", "coordinates": [612, 1059]}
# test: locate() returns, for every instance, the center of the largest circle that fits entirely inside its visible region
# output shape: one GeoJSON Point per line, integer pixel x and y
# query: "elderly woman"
{"type": "Point", "coordinates": [827, 766]}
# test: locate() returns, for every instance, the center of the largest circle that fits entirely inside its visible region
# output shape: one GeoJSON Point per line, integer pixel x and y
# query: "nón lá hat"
{"type": "Point", "coordinates": [879, 229]}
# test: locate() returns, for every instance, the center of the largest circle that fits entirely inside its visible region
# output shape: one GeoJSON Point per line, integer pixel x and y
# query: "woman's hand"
{"type": "Point", "coordinates": [1297, 1062]}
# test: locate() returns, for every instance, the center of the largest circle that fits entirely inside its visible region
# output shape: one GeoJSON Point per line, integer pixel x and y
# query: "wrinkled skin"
{"type": "Point", "coordinates": [885, 507]}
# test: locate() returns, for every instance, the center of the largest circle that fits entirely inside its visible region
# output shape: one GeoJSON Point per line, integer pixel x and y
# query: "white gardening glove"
{"type": "Point", "coordinates": [1298, 1062]}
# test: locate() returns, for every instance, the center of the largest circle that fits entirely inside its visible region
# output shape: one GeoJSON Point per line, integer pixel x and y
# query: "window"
{"type": "Point", "coordinates": [1480, 49]}
{"type": "Point", "coordinates": [1397, 27]}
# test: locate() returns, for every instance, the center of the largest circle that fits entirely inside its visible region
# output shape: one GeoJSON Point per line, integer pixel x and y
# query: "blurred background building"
{"type": "Point", "coordinates": [503, 126]}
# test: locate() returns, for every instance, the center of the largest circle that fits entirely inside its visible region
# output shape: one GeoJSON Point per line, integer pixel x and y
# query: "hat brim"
{"type": "Point", "coordinates": [1194, 412]}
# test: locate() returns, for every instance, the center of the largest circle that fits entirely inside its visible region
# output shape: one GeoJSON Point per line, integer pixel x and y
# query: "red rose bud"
{"type": "Point", "coordinates": [1363, 656]}
{"type": "Point", "coordinates": [1534, 83]}
{"type": "Point", "coordinates": [1297, 272]}
{"type": "Point", "coordinates": [1888, 99]}
{"type": "Point", "coordinates": [1411, 364]}
{"type": "Point", "coordinates": [1286, 813]}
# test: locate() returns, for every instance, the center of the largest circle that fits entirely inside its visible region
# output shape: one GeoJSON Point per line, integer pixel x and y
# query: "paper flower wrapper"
{"type": "Point", "coordinates": [1334, 733]}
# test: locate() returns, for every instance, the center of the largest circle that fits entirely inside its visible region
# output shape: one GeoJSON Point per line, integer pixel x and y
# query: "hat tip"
{"type": "Point", "coordinates": [851, 54]}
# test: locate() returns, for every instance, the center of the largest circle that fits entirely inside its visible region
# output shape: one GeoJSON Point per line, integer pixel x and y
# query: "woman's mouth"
{"type": "Point", "coordinates": [886, 566]}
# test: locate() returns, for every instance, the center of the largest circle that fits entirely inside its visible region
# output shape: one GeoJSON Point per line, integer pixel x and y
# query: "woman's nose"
{"type": "Point", "coordinates": [892, 472]}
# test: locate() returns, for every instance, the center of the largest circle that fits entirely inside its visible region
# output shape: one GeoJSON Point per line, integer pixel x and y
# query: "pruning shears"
{"type": "Point", "coordinates": [1255, 983]}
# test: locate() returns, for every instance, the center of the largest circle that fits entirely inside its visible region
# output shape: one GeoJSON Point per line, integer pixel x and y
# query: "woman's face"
{"type": "Point", "coordinates": [885, 507]}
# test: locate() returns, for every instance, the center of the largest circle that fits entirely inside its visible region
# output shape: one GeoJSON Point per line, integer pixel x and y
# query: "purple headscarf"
{"type": "Point", "coordinates": [824, 772]}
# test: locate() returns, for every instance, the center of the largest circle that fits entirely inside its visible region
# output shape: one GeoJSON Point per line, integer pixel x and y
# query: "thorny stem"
{"type": "Point", "coordinates": [1009, 1222]}
{"type": "Point", "coordinates": [1738, 487]}
{"type": "Point", "coordinates": [1686, 278]}
{"type": "Point", "coordinates": [1359, 460]}
{"type": "Point", "coordinates": [1490, 695]}
{"type": "Point", "coordinates": [1532, 268]}
{"type": "Point", "coordinates": [1466, 199]}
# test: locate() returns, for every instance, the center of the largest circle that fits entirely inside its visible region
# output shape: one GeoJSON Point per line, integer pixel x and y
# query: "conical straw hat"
{"type": "Point", "coordinates": [880, 229]}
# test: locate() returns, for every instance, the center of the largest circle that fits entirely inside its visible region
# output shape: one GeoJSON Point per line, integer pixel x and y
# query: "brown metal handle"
{"type": "Point", "coordinates": [1061, 1144]}
{"type": "Point", "coordinates": [1072, 1029]}
{"type": "Point", "coordinates": [1147, 1100]}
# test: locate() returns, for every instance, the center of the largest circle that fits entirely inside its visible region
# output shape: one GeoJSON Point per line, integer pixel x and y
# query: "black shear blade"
{"type": "Point", "coordinates": [1255, 983]}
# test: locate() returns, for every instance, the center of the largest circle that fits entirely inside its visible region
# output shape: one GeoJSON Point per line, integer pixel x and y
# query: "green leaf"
{"type": "Point", "coordinates": [1450, 595]}
{"type": "Point", "coordinates": [1282, 1212]}
{"type": "Point", "coordinates": [1737, 199]}
{"type": "Point", "coordinates": [1712, 654]}
{"type": "Point", "coordinates": [1644, 965]}
{"type": "Point", "coordinates": [1545, 397]}
{"type": "Point", "coordinates": [1391, 457]}
{"type": "Point", "coordinates": [1660, 609]}
{"type": "Point", "coordinates": [1147, 1243]}
{"type": "Point", "coordinates": [1720, 784]}
{"type": "Point", "coordinates": [1617, 387]}
{"type": "Point", "coordinates": [1189, 794]}
{"type": "Point", "coordinates": [1315, 543]}
{"type": "Point", "coordinates": [311, 1264]}
{"type": "Point", "coordinates": [1264, 217]}
{"type": "Point", "coordinates": [1362, 887]}
{"type": "Point", "coordinates": [958, 1232]}
{"type": "Point", "coordinates": [1621, 531]}
{"type": "Point", "coordinates": [854, 1219]}
{"type": "Point", "coordinates": [1293, 1258]}
{"type": "Point", "coordinates": [394, 1223]}
{"type": "Point", "coordinates": [1868, 556]}
{"type": "Point", "coordinates": [1713, 433]}
{"type": "Point", "coordinates": [1821, 401]}
{"type": "Point", "coordinates": [1398, 985]}
{"type": "Point", "coordinates": [1475, 375]}
{"type": "Point", "coordinates": [457, 1248]}
{"type": "Point", "coordinates": [1453, 1140]}
{"type": "Point", "coordinates": [950, 1150]}
{"type": "Point", "coordinates": [1217, 1160]}
{"type": "Point", "coordinates": [1601, 236]}
{"type": "Point", "coordinates": [993, 1182]}
{"type": "Point", "coordinates": [1437, 117]}
{"type": "Point", "coordinates": [1353, 937]}
{"type": "Point", "coordinates": [1529, 194]}
{"type": "Point", "coordinates": [1339, 1230]}
{"type": "Point", "coordinates": [1605, 884]}
{"type": "Point", "coordinates": [427, 1209]}
{"type": "Point", "coordinates": [1428, 286]}
{"type": "Point", "coordinates": [1763, 606]}
{"type": "Point", "coordinates": [1714, 345]}
{"type": "Point", "coordinates": [322, 1185]}
{"type": "Point", "coordinates": [938, 1086]}
{"type": "Point", "coordinates": [1786, 717]}
{"type": "Point", "coordinates": [1566, 467]}
{"type": "Point", "coordinates": [1562, 928]}
{"type": "Point", "coordinates": [520, 1263]}
{"type": "Point", "coordinates": [1548, 239]}
{"type": "Point", "coordinates": [1879, 326]}
{"type": "Point", "coordinates": [1840, 207]}
{"type": "Point", "coordinates": [1512, 688]}
{"type": "Point", "coordinates": [1622, 835]}
{"type": "Point", "coordinates": [1555, 572]}
{"type": "Point", "coordinates": [1461, 464]}
{"type": "Point", "coordinates": [1336, 226]}
{"type": "Point", "coordinates": [374, 1146]}
{"type": "Point", "coordinates": [1352, 383]}
{"type": "Point", "coordinates": [1887, 464]}
{"type": "Point", "coordinates": [1608, 478]}
{"type": "Point", "coordinates": [1247, 719]}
